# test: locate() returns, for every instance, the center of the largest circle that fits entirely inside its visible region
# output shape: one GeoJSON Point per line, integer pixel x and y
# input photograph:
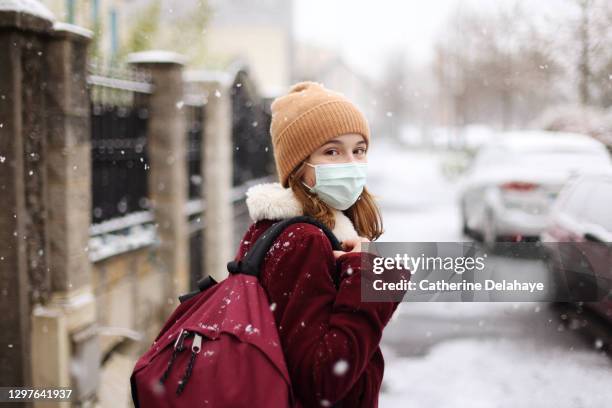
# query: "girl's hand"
{"type": "Point", "coordinates": [351, 245]}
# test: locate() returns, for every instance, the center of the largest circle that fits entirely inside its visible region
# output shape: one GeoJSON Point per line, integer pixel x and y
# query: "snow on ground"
{"type": "Point", "coordinates": [470, 354]}
{"type": "Point", "coordinates": [497, 373]}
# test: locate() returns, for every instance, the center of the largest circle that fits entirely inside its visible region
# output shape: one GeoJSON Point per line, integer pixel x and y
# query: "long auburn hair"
{"type": "Point", "coordinates": [364, 213]}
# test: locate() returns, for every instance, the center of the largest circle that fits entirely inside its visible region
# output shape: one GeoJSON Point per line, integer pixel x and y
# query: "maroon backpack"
{"type": "Point", "coordinates": [220, 347]}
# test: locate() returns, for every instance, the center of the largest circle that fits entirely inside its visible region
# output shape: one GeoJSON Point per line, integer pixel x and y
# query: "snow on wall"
{"type": "Point", "coordinates": [156, 56]}
{"type": "Point", "coordinates": [119, 235]}
{"type": "Point", "coordinates": [74, 29]}
{"type": "Point", "coordinates": [31, 7]}
{"type": "Point", "coordinates": [108, 245]}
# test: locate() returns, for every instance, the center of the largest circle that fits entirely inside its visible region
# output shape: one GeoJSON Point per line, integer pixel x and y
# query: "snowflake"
{"type": "Point", "coordinates": [599, 343]}
{"type": "Point", "coordinates": [341, 367]}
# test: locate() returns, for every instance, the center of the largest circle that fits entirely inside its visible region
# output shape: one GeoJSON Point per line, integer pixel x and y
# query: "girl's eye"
{"type": "Point", "coordinates": [361, 150]}
{"type": "Point", "coordinates": [331, 152]}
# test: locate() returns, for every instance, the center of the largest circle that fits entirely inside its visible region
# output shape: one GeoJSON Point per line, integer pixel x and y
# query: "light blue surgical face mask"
{"type": "Point", "coordinates": [339, 185]}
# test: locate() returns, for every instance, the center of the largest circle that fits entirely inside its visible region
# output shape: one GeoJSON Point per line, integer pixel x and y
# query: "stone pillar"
{"type": "Point", "coordinates": [167, 148]}
{"type": "Point", "coordinates": [24, 26]}
{"type": "Point", "coordinates": [217, 166]}
{"type": "Point", "coordinates": [69, 157]}
{"type": "Point", "coordinates": [58, 324]}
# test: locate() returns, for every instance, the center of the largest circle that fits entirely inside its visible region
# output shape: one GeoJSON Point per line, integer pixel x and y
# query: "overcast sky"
{"type": "Point", "coordinates": [364, 31]}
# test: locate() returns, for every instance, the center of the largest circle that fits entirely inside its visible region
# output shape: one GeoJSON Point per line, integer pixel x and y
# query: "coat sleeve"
{"type": "Point", "coordinates": [328, 334]}
{"type": "Point", "coordinates": [365, 391]}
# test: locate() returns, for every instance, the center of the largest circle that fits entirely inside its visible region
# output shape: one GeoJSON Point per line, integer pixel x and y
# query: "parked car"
{"type": "Point", "coordinates": [582, 216]}
{"type": "Point", "coordinates": [507, 192]}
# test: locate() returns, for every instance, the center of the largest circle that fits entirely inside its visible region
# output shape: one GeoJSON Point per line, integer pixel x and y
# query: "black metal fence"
{"type": "Point", "coordinates": [253, 158]}
{"type": "Point", "coordinates": [253, 155]}
{"type": "Point", "coordinates": [195, 124]}
{"type": "Point", "coordinates": [119, 117]}
{"type": "Point", "coordinates": [119, 121]}
{"type": "Point", "coordinates": [194, 115]}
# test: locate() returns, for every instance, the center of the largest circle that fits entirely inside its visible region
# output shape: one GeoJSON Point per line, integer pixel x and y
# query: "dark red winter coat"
{"type": "Point", "coordinates": [329, 337]}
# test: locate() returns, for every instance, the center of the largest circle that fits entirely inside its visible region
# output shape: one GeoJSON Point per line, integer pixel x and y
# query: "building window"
{"type": "Point", "coordinates": [70, 11]}
{"type": "Point", "coordinates": [94, 11]}
{"type": "Point", "coordinates": [114, 33]}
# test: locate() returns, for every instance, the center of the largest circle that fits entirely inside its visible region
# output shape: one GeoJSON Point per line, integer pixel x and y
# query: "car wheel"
{"type": "Point", "coordinates": [489, 234]}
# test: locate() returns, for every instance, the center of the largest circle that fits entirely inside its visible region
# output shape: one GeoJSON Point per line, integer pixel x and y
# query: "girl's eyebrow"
{"type": "Point", "coordinates": [334, 141]}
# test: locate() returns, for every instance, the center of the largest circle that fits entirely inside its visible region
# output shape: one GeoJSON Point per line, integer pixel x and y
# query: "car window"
{"type": "Point", "coordinates": [573, 204]}
{"type": "Point", "coordinates": [598, 206]}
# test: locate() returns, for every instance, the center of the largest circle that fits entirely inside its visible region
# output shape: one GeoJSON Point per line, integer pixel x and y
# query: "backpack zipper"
{"type": "Point", "coordinates": [196, 347]}
{"type": "Point", "coordinates": [178, 347]}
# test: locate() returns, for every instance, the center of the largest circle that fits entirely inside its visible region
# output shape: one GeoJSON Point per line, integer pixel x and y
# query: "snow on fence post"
{"type": "Point", "coordinates": [216, 170]}
{"type": "Point", "coordinates": [167, 147]}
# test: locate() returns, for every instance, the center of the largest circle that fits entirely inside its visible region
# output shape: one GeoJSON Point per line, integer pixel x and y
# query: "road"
{"type": "Point", "coordinates": [473, 354]}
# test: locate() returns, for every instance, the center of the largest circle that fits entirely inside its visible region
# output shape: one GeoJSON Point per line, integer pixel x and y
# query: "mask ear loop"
{"type": "Point", "coordinates": [310, 189]}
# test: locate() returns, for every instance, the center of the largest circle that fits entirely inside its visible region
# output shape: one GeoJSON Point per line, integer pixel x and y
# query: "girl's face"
{"type": "Point", "coordinates": [341, 149]}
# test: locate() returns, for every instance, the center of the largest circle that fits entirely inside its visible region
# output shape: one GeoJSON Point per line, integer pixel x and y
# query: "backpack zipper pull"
{"type": "Point", "coordinates": [178, 346]}
{"type": "Point", "coordinates": [196, 347]}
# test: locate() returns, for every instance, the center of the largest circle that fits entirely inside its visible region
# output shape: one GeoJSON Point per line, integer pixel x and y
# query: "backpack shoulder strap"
{"type": "Point", "coordinates": [251, 263]}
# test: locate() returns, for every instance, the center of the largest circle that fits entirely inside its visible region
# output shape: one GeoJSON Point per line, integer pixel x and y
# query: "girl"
{"type": "Point", "coordinates": [330, 338]}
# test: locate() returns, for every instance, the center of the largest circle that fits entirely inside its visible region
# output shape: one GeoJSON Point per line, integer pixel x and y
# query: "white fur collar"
{"type": "Point", "coordinates": [273, 201]}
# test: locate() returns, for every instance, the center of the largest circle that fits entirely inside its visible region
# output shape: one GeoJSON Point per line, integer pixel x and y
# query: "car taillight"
{"type": "Point", "coordinates": [518, 186]}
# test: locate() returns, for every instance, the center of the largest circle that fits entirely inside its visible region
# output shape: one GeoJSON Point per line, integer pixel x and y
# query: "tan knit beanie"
{"type": "Point", "coordinates": [307, 117]}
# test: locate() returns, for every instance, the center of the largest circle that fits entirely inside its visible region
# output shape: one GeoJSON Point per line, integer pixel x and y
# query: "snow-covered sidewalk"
{"type": "Point", "coordinates": [497, 373]}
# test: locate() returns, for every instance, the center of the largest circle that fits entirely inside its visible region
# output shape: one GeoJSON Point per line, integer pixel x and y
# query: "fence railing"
{"type": "Point", "coordinates": [119, 116]}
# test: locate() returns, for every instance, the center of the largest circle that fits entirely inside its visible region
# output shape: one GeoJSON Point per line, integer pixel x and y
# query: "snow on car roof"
{"type": "Point", "coordinates": [546, 140]}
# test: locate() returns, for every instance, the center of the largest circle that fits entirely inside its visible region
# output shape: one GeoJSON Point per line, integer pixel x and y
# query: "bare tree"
{"type": "Point", "coordinates": [584, 45]}
{"type": "Point", "coordinates": [584, 64]}
{"type": "Point", "coordinates": [494, 68]}
{"type": "Point", "coordinates": [395, 91]}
